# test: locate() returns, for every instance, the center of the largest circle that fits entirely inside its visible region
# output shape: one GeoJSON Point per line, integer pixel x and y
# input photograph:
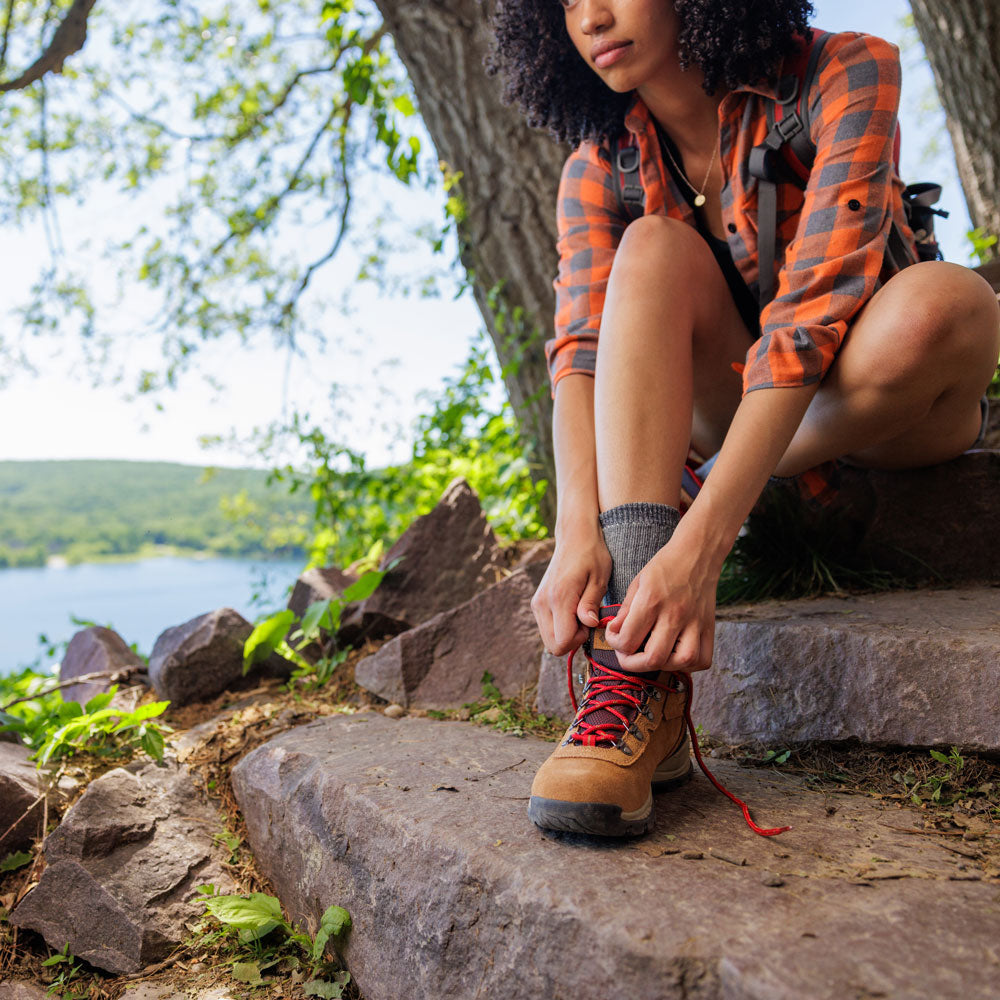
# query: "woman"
{"type": "Point", "coordinates": [853, 358]}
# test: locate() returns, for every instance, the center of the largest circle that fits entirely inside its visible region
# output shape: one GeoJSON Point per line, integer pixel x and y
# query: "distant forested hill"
{"type": "Point", "coordinates": [83, 510]}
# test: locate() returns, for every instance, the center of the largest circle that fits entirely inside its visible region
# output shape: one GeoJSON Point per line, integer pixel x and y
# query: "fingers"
{"type": "Point", "coordinates": [588, 610]}
{"type": "Point", "coordinates": [555, 613]}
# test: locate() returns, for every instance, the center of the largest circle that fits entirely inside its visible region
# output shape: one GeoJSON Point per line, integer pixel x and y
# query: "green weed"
{"type": "Point", "coordinates": [258, 939]}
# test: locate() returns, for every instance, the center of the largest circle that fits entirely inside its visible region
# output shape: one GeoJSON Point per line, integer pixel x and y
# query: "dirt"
{"type": "Point", "coordinates": [211, 737]}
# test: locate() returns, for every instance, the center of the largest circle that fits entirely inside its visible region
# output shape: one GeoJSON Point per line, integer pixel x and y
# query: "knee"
{"type": "Point", "coordinates": [655, 246]}
{"type": "Point", "coordinates": [946, 310]}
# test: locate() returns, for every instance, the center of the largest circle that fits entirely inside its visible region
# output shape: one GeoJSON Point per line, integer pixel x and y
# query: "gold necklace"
{"type": "Point", "coordinates": [699, 196]}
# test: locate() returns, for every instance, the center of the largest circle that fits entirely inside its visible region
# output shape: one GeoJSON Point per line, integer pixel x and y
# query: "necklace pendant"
{"type": "Point", "coordinates": [699, 201]}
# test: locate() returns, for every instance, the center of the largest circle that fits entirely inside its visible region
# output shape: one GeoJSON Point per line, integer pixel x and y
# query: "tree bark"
{"type": "Point", "coordinates": [962, 40]}
{"type": "Point", "coordinates": [511, 174]}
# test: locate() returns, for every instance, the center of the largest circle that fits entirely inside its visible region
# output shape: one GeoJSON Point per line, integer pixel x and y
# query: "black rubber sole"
{"type": "Point", "coordinates": [598, 819]}
{"type": "Point", "coordinates": [595, 818]}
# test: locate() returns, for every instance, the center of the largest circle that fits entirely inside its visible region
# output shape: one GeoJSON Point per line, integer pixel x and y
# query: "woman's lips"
{"type": "Point", "coordinates": [608, 55]}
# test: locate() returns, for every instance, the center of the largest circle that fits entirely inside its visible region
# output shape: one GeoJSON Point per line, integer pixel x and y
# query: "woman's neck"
{"type": "Point", "coordinates": [681, 106]}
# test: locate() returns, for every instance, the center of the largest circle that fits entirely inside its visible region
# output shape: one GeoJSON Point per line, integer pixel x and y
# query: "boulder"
{"type": "Point", "coordinates": [445, 556]}
{"type": "Point", "coordinates": [89, 651]}
{"type": "Point", "coordinates": [122, 867]}
{"type": "Point", "coordinates": [909, 668]}
{"type": "Point", "coordinates": [23, 990]}
{"type": "Point", "coordinates": [197, 660]}
{"type": "Point", "coordinates": [553, 690]}
{"type": "Point", "coordinates": [420, 829]}
{"type": "Point", "coordinates": [318, 584]}
{"type": "Point", "coordinates": [18, 792]}
{"type": "Point", "coordinates": [939, 525]}
{"type": "Point", "coordinates": [440, 664]}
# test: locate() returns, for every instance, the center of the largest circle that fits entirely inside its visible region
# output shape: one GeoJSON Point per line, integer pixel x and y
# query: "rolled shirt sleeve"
{"type": "Point", "coordinates": [834, 261]}
{"type": "Point", "coordinates": [589, 230]}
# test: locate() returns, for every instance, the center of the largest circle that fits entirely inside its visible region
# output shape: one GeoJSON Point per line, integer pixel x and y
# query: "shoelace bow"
{"type": "Point", "coordinates": [628, 691]}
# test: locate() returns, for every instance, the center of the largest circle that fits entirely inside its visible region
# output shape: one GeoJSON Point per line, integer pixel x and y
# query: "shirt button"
{"type": "Point", "coordinates": [854, 204]}
{"type": "Point", "coordinates": [731, 227]}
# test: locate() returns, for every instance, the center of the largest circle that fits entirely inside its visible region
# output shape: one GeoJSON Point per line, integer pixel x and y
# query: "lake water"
{"type": "Point", "coordinates": [137, 599]}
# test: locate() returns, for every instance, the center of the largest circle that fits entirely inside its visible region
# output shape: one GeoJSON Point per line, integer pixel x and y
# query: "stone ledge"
{"type": "Point", "coordinates": [916, 668]}
{"type": "Point", "coordinates": [419, 828]}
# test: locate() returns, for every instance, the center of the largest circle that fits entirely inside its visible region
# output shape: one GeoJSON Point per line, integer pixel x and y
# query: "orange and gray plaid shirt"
{"type": "Point", "coordinates": [831, 237]}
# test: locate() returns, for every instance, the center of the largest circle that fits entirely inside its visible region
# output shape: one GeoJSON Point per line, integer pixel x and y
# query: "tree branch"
{"type": "Point", "coordinates": [68, 38]}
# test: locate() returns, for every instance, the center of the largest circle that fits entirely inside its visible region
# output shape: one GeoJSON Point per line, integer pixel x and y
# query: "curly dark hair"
{"type": "Point", "coordinates": [733, 42]}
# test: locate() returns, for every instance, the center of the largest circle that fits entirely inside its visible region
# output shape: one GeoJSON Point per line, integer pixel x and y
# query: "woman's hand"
{"type": "Point", "coordinates": [672, 601]}
{"type": "Point", "coordinates": [567, 601]}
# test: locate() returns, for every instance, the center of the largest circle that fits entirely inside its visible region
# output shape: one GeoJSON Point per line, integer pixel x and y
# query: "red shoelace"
{"type": "Point", "coordinates": [626, 691]}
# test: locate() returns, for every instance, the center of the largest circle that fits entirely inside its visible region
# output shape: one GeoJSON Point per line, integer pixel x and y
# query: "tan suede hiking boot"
{"type": "Point", "coordinates": [627, 740]}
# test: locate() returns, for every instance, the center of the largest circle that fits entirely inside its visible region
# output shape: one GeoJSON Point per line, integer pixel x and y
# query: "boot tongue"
{"type": "Point", "coordinates": [604, 656]}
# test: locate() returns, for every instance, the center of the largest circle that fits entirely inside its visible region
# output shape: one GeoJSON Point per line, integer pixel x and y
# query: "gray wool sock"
{"type": "Point", "coordinates": [634, 533]}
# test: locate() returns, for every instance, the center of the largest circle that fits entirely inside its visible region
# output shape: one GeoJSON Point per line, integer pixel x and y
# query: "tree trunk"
{"type": "Point", "coordinates": [511, 174]}
{"type": "Point", "coordinates": [962, 40]}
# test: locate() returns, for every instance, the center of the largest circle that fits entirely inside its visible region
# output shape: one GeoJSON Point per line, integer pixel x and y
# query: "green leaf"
{"type": "Point", "coordinates": [364, 586]}
{"type": "Point", "coordinates": [319, 615]}
{"type": "Point", "coordinates": [100, 701]}
{"type": "Point", "coordinates": [152, 743]}
{"type": "Point", "coordinates": [256, 915]}
{"type": "Point", "coordinates": [264, 639]}
{"type": "Point", "coordinates": [404, 105]}
{"type": "Point", "coordinates": [322, 988]}
{"type": "Point", "coordinates": [247, 972]}
{"type": "Point", "coordinates": [335, 920]}
{"type": "Point", "coordinates": [940, 757]}
{"type": "Point", "coordinates": [14, 861]}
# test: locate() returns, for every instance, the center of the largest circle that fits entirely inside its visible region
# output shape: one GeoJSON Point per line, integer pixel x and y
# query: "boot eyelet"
{"type": "Point", "coordinates": [623, 747]}
{"type": "Point", "coordinates": [637, 733]}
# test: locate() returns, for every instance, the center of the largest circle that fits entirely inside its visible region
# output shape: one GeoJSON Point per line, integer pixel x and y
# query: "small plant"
{"type": "Point", "coordinates": [285, 633]}
{"type": "Point", "coordinates": [69, 972]}
{"type": "Point", "coordinates": [509, 715]}
{"type": "Point", "coordinates": [258, 916]}
{"type": "Point", "coordinates": [933, 787]}
{"type": "Point", "coordinates": [68, 728]}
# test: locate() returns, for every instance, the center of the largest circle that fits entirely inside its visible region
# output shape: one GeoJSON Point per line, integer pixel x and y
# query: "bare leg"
{"type": "Point", "coordinates": [669, 335]}
{"type": "Point", "coordinates": [904, 390]}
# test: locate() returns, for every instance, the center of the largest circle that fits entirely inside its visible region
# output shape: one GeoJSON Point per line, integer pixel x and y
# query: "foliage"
{"type": "Point", "coordinates": [86, 510]}
{"type": "Point", "coordinates": [787, 550]}
{"type": "Point", "coordinates": [466, 432]}
{"type": "Point", "coordinates": [509, 715]}
{"type": "Point", "coordinates": [254, 918]}
{"type": "Point", "coordinates": [984, 245]}
{"type": "Point", "coordinates": [68, 728]}
{"type": "Point", "coordinates": [942, 787]}
{"type": "Point", "coordinates": [319, 625]}
{"type": "Point", "coordinates": [69, 969]}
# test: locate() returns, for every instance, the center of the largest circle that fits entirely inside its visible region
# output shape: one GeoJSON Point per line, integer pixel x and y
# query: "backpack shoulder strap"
{"type": "Point", "coordinates": [625, 164]}
{"type": "Point", "coordinates": [786, 127]}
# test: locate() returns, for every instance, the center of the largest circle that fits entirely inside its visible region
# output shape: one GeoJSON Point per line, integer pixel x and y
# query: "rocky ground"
{"type": "Point", "coordinates": [412, 814]}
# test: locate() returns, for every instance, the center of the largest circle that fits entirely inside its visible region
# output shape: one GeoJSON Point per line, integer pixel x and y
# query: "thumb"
{"type": "Point", "coordinates": [587, 609]}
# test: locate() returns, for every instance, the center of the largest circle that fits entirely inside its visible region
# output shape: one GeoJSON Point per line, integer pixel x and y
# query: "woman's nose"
{"type": "Point", "coordinates": [595, 16]}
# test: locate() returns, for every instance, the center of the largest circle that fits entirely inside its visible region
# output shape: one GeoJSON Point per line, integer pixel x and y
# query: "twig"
{"type": "Point", "coordinates": [509, 767]}
{"type": "Point", "coordinates": [114, 675]}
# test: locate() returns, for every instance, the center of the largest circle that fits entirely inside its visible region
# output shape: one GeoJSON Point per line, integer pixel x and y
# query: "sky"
{"type": "Point", "coordinates": [376, 364]}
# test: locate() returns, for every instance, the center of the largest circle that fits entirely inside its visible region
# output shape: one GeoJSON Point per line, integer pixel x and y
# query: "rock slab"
{"type": "Point", "coordinates": [419, 828]}
{"type": "Point", "coordinates": [440, 664]}
{"type": "Point", "coordinates": [20, 812]}
{"type": "Point", "coordinates": [445, 557]}
{"type": "Point", "coordinates": [122, 866]}
{"type": "Point", "coordinates": [908, 668]}
{"type": "Point", "coordinates": [197, 660]}
{"type": "Point", "coordinates": [90, 650]}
